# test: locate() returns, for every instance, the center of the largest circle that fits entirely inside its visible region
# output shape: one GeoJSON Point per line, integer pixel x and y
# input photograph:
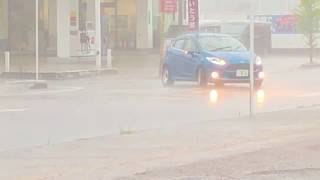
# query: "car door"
{"type": "Point", "coordinates": [176, 58]}
{"type": "Point", "coordinates": [191, 59]}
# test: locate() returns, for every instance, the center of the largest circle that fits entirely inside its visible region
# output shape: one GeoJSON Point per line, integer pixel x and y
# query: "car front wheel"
{"type": "Point", "coordinates": [166, 77]}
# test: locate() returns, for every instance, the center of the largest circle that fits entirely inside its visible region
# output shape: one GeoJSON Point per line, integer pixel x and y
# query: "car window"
{"type": "Point", "coordinates": [179, 44]}
{"type": "Point", "coordinates": [190, 45]}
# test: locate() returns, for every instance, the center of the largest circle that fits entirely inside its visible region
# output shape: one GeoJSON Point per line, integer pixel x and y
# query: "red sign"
{"type": "Point", "coordinates": [193, 12]}
{"type": "Point", "coordinates": [168, 6]}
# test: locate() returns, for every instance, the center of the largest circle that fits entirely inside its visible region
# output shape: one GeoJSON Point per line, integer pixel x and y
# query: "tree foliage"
{"type": "Point", "coordinates": [309, 22]}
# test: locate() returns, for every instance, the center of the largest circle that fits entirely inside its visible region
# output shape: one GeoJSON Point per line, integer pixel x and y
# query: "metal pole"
{"type": "Point", "coordinates": [162, 41]}
{"type": "Point", "coordinates": [37, 39]}
{"type": "Point", "coordinates": [7, 61]}
{"type": "Point", "coordinates": [109, 59]}
{"type": "Point", "coordinates": [252, 62]}
{"type": "Point", "coordinates": [116, 34]}
{"type": "Point", "coordinates": [98, 33]}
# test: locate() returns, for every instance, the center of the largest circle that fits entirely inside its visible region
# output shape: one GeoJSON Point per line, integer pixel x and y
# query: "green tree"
{"type": "Point", "coordinates": [309, 23]}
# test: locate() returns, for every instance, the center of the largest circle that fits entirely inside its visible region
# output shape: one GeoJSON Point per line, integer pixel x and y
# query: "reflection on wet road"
{"type": "Point", "coordinates": [105, 105]}
{"type": "Point", "coordinates": [215, 93]}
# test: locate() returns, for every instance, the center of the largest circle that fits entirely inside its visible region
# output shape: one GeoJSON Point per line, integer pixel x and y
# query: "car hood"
{"type": "Point", "coordinates": [232, 57]}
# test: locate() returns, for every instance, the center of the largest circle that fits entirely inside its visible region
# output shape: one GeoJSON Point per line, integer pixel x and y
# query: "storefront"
{"type": "Point", "coordinates": [67, 28]}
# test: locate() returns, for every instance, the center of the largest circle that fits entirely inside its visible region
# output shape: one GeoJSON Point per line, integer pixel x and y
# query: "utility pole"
{"type": "Point", "coordinates": [252, 62]}
{"type": "Point", "coordinates": [162, 40]}
{"type": "Point", "coordinates": [98, 33]}
{"type": "Point", "coordinates": [37, 39]}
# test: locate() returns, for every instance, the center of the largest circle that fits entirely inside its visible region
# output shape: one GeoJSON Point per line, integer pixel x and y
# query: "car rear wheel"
{"type": "Point", "coordinates": [166, 77]}
{"type": "Point", "coordinates": [202, 78]}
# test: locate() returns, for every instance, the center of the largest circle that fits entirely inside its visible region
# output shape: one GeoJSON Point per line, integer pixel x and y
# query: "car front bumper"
{"type": "Point", "coordinates": [230, 76]}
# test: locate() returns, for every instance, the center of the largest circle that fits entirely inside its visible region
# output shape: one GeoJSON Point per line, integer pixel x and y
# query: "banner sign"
{"type": "Point", "coordinates": [193, 14]}
{"type": "Point", "coordinates": [281, 24]}
{"type": "Point", "coordinates": [168, 6]}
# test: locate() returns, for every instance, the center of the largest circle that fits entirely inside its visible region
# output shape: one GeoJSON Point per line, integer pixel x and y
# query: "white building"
{"type": "Point", "coordinates": [280, 13]}
{"type": "Point", "coordinates": [240, 9]}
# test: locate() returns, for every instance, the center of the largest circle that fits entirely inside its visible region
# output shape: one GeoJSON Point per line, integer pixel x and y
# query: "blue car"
{"type": "Point", "coordinates": [209, 58]}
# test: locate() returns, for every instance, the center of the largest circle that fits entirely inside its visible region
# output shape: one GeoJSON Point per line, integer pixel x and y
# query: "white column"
{"type": "Point", "coordinates": [144, 24]}
{"type": "Point", "coordinates": [7, 61]}
{"type": "Point", "coordinates": [98, 32]}
{"type": "Point", "coordinates": [63, 28]}
{"type": "Point", "coordinates": [252, 45]}
{"type": "Point", "coordinates": [37, 39]}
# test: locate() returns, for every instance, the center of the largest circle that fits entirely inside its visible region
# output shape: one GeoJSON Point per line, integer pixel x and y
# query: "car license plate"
{"type": "Point", "coordinates": [242, 73]}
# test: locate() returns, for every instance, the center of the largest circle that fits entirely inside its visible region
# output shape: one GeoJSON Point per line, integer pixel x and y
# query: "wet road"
{"type": "Point", "coordinates": [135, 100]}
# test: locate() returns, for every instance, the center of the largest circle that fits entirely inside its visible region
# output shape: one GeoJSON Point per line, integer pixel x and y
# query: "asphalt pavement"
{"type": "Point", "coordinates": [134, 100]}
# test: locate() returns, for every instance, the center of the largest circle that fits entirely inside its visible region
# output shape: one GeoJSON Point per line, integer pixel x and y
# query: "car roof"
{"type": "Point", "coordinates": [200, 34]}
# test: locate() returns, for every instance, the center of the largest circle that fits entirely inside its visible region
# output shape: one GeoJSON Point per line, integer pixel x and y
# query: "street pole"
{"type": "Point", "coordinates": [7, 61]}
{"type": "Point", "coordinates": [252, 62]}
{"type": "Point", "coordinates": [162, 40]}
{"type": "Point", "coordinates": [98, 33]}
{"type": "Point", "coordinates": [37, 39]}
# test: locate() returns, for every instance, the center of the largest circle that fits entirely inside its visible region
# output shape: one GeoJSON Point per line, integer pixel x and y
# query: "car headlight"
{"type": "Point", "coordinates": [258, 61]}
{"type": "Point", "coordinates": [217, 61]}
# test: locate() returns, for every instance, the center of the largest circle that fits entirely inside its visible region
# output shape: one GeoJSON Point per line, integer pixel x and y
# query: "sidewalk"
{"type": "Point", "coordinates": [23, 66]}
{"type": "Point", "coordinates": [134, 154]}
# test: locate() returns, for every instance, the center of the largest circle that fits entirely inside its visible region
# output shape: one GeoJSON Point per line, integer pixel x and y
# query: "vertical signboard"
{"type": "Point", "coordinates": [193, 14]}
{"type": "Point", "coordinates": [168, 6]}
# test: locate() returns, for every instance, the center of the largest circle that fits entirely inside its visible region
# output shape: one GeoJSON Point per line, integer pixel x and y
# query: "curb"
{"type": "Point", "coordinates": [310, 66]}
{"type": "Point", "coordinates": [76, 74]}
{"type": "Point", "coordinates": [30, 84]}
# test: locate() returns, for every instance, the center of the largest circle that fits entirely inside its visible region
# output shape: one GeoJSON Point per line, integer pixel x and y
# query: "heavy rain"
{"type": "Point", "coordinates": [159, 89]}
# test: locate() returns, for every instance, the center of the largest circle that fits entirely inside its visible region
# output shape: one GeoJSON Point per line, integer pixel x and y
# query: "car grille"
{"type": "Point", "coordinates": [235, 67]}
{"type": "Point", "coordinates": [231, 70]}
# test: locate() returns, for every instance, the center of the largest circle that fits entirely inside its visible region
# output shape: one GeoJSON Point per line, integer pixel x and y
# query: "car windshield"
{"type": "Point", "coordinates": [220, 43]}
